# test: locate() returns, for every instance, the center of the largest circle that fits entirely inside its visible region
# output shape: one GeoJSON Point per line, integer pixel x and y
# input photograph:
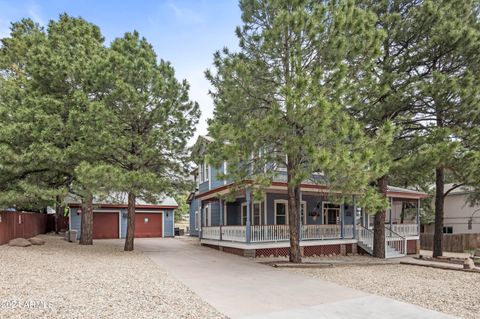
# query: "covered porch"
{"type": "Point", "coordinates": [278, 233]}
{"type": "Point", "coordinates": [246, 222]}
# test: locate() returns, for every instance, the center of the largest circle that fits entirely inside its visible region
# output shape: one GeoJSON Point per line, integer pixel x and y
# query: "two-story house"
{"type": "Point", "coordinates": [257, 228]}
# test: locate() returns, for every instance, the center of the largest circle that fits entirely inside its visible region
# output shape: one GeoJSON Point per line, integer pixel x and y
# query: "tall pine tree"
{"type": "Point", "coordinates": [52, 112]}
{"type": "Point", "coordinates": [153, 119]}
{"type": "Point", "coordinates": [278, 101]}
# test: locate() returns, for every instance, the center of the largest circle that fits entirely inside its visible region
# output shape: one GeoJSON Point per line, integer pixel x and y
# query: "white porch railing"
{"type": "Point", "coordinates": [348, 231]}
{"type": "Point", "coordinates": [365, 238]}
{"type": "Point", "coordinates": [320, 231]}
{"type": "Point", "coordinates": [396, 243]}
{"type": "Point", "coordinates": [260, 233]}
{"type": "Point", "coordinates": [404, 229]}
{"type": "Point", "coordinates": [275, 233]}
{"type": "Point", "coordinates": [234, 233]}
{"type": "Point", "coordinates": [212, 232]}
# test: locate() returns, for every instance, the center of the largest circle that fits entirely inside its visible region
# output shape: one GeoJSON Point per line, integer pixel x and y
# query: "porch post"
{"type": "Point", "coordinates": [391, 208]}
{"type": "Point", "coordinates": [220, 201]}
{"type": "Point", "coordinates": [248, 229]}
{"type": "Point", "coordinates": [418, 216]}
{"type": "Point", "coordinates": [342, 217]}
{"type": "Point", "coordinates": [200, 215]}
{"type": "Point", "coordinates": [354, 217]}
{"type": "Point", "coordinates": [300, 235]}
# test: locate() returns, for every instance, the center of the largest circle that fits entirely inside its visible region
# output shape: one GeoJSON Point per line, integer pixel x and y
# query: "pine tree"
{"type": "Point", "coordinates": [449, 95]}
{"type": "Point", "coordinates": [153, 119]}
{"type": "Point", "coordinates": [51, 111]}
{"type": "Point", "coordinates": [278, 102]}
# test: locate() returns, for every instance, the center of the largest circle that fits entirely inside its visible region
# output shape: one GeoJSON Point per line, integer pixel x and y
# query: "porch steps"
{"type": "Point", "coordinates": [391, 252]}
{"type": "Point", "coordinates": [365, 241]}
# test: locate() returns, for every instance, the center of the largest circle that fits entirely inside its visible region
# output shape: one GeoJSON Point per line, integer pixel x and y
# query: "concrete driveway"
{"type": "Point", "coordinates": [241, 288]}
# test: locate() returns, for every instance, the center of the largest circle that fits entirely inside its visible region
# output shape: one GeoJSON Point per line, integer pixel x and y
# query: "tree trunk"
{"type": "Point", "coordinates": [58, 209]}
{"type": "Point", "coordinates": [379, 222]}
{"type": "Point", "coordinates": [86, 235]}
{"type": "Point", "coordinates": [131, 222]}
{"type": "Point", "coordinates": [293, 220]}
{"type": "Point", "coordinates": [439, 210]}
{"type": "Point", "coordinates": [402, 215]}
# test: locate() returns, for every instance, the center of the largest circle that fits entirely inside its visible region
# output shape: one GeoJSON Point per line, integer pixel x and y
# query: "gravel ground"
{"type": "Point", "coordinates": [452, 292]}
{"type": "Point", "coordinates": [65, 280]}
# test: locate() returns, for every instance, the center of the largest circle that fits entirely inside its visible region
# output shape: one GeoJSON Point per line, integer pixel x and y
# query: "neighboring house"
{"type": "Point", "coordinates": [110, 217]}
{"type": "Point", "coordinates": [459, 216]}
{"type": "Point", "coordinates": [260, 228]}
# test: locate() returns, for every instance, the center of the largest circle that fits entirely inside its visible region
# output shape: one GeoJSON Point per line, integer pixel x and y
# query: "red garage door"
{"type": "Point", "coordinates": [105, 225]}
{"type": "Point", "coordinates": [148, 225]}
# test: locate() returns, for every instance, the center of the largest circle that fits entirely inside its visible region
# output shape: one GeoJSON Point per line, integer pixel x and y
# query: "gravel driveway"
{"type": "Point", "coordinates": [65, 280]}
{"type": "Point", "coordinates": [447, 291]}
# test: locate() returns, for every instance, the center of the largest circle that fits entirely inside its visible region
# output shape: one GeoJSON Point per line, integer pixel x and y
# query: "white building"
{"type": "Point", "coordinates": [459, 216]}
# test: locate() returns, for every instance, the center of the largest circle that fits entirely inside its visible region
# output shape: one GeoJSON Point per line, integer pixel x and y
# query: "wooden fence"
{"type": "Point", "coordinates": [456, 243]}
{"type": "Point", "coordinates": [21, 224]}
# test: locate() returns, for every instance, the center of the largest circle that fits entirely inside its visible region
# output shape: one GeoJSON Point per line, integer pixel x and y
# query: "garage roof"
{"type": "Point", "coordinates": [121, 198]}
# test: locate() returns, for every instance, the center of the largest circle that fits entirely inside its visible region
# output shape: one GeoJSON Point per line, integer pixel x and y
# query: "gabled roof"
{"type": "Point", "coordinates": [395, 189]}
{"type": "Point", "coordinates": [465, 189]}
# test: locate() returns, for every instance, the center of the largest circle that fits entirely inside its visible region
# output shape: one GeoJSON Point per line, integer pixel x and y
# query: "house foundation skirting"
{"type": "Point", "coordinates": [307, 248]}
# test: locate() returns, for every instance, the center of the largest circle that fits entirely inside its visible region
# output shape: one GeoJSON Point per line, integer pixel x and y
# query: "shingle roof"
{"type": "Point", "coordinates": [404, 190]}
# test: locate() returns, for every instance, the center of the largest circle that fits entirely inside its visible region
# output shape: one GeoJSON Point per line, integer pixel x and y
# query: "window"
{"type": "Point", "coordinates": [281, 166]}
{"type": "Point", "coordinates": [303, 213]}
{"type": "Point", "coordinates": [281, 212]}
{"type": "Point", "coordinates": [331, 213]}
{"type": "Point", "coordinates": [196, 220]}
{"type": "Point", "coordinates": [448, 230]}
{"type": "Point", "coordinates": [201, 172]}
{"type": "Point", "coordinates": [204, 172]}
{"type": "Point", "coordinates": [206, 216]}
{"type": "Point", "coordinates": [244, 214]}
{"type": "Point", "coordinates": [255, 214]}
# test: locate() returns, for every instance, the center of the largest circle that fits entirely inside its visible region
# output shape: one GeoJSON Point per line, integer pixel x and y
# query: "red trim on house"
{"type": "Point", "coordinates": [311, 186]}
{"type": "Point", "coordinates": [75, 205]}
{"type": "Point", "coordinates": [216, 190]}
{"type": "Point", "coordinates": [406, 195]}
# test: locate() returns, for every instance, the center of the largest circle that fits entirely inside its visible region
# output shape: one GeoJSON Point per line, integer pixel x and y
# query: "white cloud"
{"type": "Point", "coordinates": [185, 15]}
{"type": "Point", "coordinates": [34, 13]}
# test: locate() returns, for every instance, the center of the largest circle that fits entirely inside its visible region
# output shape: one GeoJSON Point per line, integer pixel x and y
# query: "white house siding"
{"type": "Point", "coordinates": [458, 212]}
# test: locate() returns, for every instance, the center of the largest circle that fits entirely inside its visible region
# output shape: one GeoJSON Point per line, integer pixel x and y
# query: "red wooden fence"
{"type": "Point", "coordinates": [21, 224]}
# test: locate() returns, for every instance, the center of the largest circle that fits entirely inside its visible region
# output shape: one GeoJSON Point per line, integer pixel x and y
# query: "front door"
{"type": "Point", "coordinates": [331, 214]}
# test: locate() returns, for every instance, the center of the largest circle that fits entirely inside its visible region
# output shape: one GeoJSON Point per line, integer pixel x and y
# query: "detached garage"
{"type": "Point", "coordinates": [110, 218]}
{"type": "Point", "coordinates": [106, 225]}
{"type": "Point", "coordinates": [148, 224]}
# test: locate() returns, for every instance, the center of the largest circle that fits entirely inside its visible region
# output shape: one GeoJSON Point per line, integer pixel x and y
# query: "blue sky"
{"type": "Point", "coordinates": [184, 32]}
